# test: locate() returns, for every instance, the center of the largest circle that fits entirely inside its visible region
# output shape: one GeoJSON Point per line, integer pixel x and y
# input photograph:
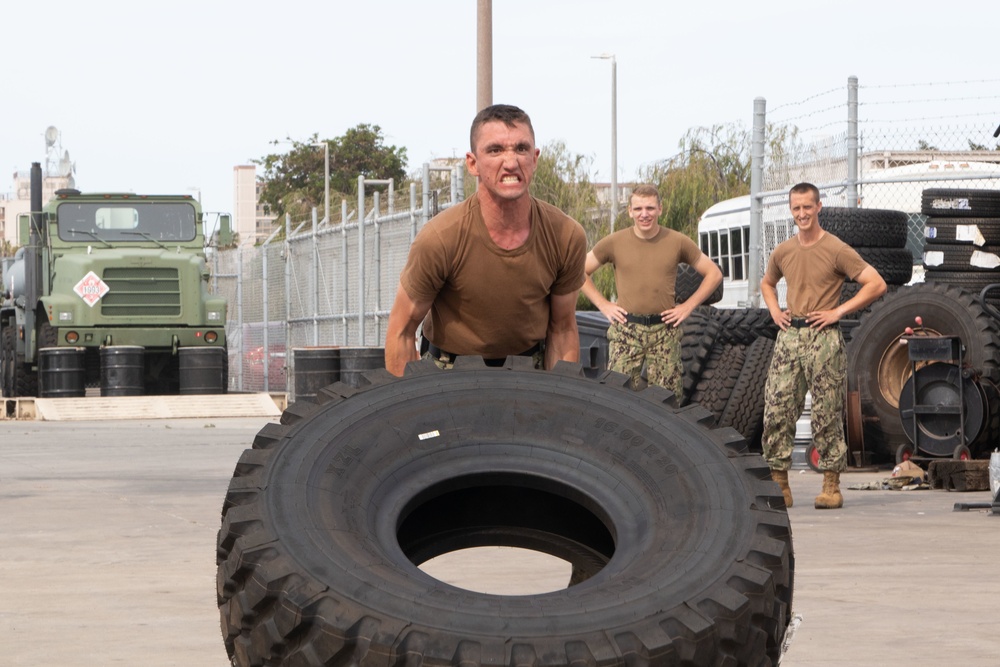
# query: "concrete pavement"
{"type": "Point", "coordinates": [107, 533]}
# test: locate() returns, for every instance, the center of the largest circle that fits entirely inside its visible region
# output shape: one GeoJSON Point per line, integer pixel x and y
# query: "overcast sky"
{"type": "Point", "coordinates": [169, 97]}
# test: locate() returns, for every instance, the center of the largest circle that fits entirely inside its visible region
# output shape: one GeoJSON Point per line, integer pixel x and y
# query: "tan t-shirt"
{"type": "Point", "coordinates": [814, 274]}
{"type": "Point", "coordinates": [646, 269]}
{"type": "Point", "coordinates": [486, 300]}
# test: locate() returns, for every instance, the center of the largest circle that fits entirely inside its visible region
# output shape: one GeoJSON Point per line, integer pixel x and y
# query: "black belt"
{"type": "Point", "coordinates": [799, 323]}
{"type": "Point", "coordinates": [450, 357]}
{"type": "Point", "coordinates": [648, 320]}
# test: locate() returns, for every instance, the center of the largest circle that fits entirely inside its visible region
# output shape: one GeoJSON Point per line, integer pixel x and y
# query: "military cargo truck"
{"type": "Point", "coordinates": [110, 290]}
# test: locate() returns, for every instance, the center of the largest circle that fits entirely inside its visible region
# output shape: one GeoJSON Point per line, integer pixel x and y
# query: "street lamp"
{"type": "Point", "coordinates": [326, 180]}
{"type": "Point", "coordinates": [614, 135]}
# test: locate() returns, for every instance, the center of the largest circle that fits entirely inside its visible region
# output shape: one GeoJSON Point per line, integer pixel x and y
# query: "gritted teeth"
{"type": "Point", "coordinates": [509, 179]}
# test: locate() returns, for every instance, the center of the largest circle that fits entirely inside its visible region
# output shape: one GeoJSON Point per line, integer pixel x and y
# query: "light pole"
{"type": "Point", "coordinates": [326, 180]}
{"type": "Point", "coordinates": [614, 135]}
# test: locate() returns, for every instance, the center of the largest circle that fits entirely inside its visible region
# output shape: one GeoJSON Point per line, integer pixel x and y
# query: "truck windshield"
{"type": "Point", "coordinates": [131, 221]}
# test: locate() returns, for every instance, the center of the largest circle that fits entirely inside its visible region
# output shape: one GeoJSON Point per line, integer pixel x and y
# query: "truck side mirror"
{"type": "Point", "coordinates": [23, 228]}
{"type": "Point", "coordinates": [225, 230]}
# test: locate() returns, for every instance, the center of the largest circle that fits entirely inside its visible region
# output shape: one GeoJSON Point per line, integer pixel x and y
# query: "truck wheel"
{"type": "Point", "coordinates": [745, 408]}
{"type": "Point", "coordinates": [7, 344]}
{"type": "Point", "coordinates": [683, 535]}
{"type": "Point", "coordinates": [878, 366]}
{"type": "Point", "coordinates": [688, 282]}
{"type": "Point", "coordinates": [865, 227]}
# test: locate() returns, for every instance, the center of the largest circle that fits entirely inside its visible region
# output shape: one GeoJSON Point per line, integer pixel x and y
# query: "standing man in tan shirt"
{"type": "Point", "coordinates": [809, 354]}
{"type": "Point", "coordinates": [645, 321]}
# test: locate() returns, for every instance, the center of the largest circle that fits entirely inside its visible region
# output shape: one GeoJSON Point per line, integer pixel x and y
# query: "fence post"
{"type": "Point", "coordinates": [453, 182]}
{"type": "Point", "coordinates": [239, 316]}
{"type": "Point", "coordinates": [413, 212]}
{"type": "Point", "coordinates": [361, 260]}
{"type": "Point", "coordinates": [852, 142]}
{"type": "Point", "coordinates": [267, 317]}
{"type": "Point", "coordinates": [460, 178]}
{"type": "Point", "coordinates": [343, 267]}
{"type": "Point", "coordinates": [756, 203]}
{"type": "Point", "coordinates": [427, 193]}
{"type": "Point", "coordinates": [289, 357]}
{"type": "Point", "coordinates": [377, 255]}
{"type": "Point", "coordinates": [315, 278]}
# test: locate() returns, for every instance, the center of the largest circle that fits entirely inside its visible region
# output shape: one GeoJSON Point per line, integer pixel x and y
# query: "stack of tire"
{"type": "Point", "coordinates": [879, 236]}
{"type": "Point", "coordinates": [961, 235]}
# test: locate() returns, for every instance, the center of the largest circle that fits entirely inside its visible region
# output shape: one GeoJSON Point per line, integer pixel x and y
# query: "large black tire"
{"type": "Point", "coordinates": [865, 227]}
{"type": "Point", "coordinates": [7, 359]}
{"type": "Point", "coordinates": [948, 231]}
{"type": "Point", "coordinates": [895, 265]}
{"type": "Point", "coordinates": [970, 281]}
{"type": "Point", "coordinates": [744, 325]}
{"type": "Point", "coordinates": [745, 408]}
{"type": "Point", "coordinates": [958, 203]}
{"type": "Point", "coordinates": [963, 258]}
{"type": "Point", "coordinates": [327, 517]}
{"type": "Point", "coordinates": [878, 366]}
{"type": "Point", "coordinates": [718, 377]}
{"type": "Point", "coordinates": [699, 332]}
{"type": "Point", "coordinates": [688, 282]}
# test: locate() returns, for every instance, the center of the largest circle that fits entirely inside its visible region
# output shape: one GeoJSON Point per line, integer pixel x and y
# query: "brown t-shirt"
{"type": "Point", "coordinates": [646, 269]}
{"type": "Point", "coordinates": [814, 274]}
{"type": "Point", "coordinates": [486, 300]}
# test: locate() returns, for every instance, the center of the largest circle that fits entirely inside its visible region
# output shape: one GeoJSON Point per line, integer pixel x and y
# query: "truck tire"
{"type": "Point", "coordinates": [745, 325]}
{"type": "Point", "coordinates": [7, 346]}
{"type": "Point", "coordinates": [326, 519]}
{"type": "Point", "coordinates": [699, 332]}
{"type": "Point", "coordinates": [949, 231]}
{"type": "Point", "coordinates": [718, 377]}
{"type": "Point", "coordinates": [688, 282]}
{"type": "Point", "coordinates": [878, 366]}
{"type": "Point", "coordinates": [865, 227]}
{"type": "Point", "coordinates": [959, 203]}
{"type": "Point", "coordinates": [895, 265]}
{"type": "Point", "coordinates": [962, 258]}
{"type": "Point", "coordinates": [745, 409]}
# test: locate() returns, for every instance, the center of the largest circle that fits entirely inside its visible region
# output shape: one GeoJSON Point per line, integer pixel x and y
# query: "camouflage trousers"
{"type": "Point", "coordinates": [447, 361]}
{"type": "Point", "coordinates": [656, 345]}
{"type": "Point", "coordinates": [813, 361]}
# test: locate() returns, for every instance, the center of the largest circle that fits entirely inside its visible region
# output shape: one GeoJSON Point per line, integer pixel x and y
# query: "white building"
{"type": "Point", "coordinates": [252, 221]}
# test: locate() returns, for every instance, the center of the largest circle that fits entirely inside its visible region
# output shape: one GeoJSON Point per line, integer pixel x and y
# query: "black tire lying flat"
{"type": "Point", "coordinates": [865, 227]}
{"type": "Point", "coordinates": [962, 258]}
{"type": "Point", "coordinates": [895, 265]}
{"type": "Point", "coordinates": [960, 203]}
{"type": "Point", "coordinates": [683, 532]}
{"type": "Point", "coordinates": [878, 366]}
{"type": "Point", "coordinates": [961, 232]}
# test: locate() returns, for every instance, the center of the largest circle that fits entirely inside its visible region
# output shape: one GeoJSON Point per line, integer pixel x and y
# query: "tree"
{"type": "Point", "coordinates": [294, 182]}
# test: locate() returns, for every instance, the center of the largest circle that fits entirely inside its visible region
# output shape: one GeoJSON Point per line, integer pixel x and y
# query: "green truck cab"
{"type": "Point", "coordinates": [111, 272]}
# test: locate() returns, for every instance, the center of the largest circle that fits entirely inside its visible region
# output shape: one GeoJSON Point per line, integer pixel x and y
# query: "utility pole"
{"type": "Point", "coordinates": [484, 54]}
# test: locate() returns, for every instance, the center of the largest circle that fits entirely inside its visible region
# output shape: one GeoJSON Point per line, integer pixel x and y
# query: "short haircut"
{"type": "Point", "coordinates": [505, 113]}
{"type": "Point", "coordinates": [802, 188]}
{"type": "Point", "coordinates": [645, 190]}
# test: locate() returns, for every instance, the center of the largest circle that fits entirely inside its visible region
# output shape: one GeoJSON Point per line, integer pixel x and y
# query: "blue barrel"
{"type": "Point", "coordinates": [61, 372]}
{"type": "Point", "coordinates": [123, 370]}
{"type": "Point", "coordinates": [314, 368]}
{"type": "Point", "coordinates": [203, 370]}
{"type": "Point", "coordinates": [354, 361]}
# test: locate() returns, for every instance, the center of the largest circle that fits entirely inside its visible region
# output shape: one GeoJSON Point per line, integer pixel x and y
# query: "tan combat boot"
{"type": "Point", "coordinates": [781, 477]}
{"type": "Point", "coordinates": [830, 498]}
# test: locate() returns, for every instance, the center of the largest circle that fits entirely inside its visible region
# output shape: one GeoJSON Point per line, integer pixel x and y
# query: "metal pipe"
{"type": "Point", "coordinates": [756, 252]}
{"type": "Point", "coordinates": [852, 142]}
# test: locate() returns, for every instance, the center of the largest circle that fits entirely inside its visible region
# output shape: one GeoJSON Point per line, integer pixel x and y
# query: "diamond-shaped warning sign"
{"type": "Point", "coordinates": [91, 288]}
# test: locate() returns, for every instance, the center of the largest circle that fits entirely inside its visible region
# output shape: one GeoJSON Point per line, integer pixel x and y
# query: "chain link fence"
{"type": "Point", "coordinates": [314, 283]}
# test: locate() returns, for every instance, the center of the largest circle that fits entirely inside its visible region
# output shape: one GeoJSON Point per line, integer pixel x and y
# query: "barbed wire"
{"type": "Point", "coordinates": [932, 99]}
{"type": "Point", "coordinates": [808, 99]}
{"type": "Point", "coordinates": [931, 83]}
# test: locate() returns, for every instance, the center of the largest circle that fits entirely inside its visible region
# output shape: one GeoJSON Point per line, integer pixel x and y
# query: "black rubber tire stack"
{"type": "Point", "coordinates": [962, 238]}
{"type": "Point", "coordinates": [879, 236]}
{"type": "Point", "coordinates": [684, 539]}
